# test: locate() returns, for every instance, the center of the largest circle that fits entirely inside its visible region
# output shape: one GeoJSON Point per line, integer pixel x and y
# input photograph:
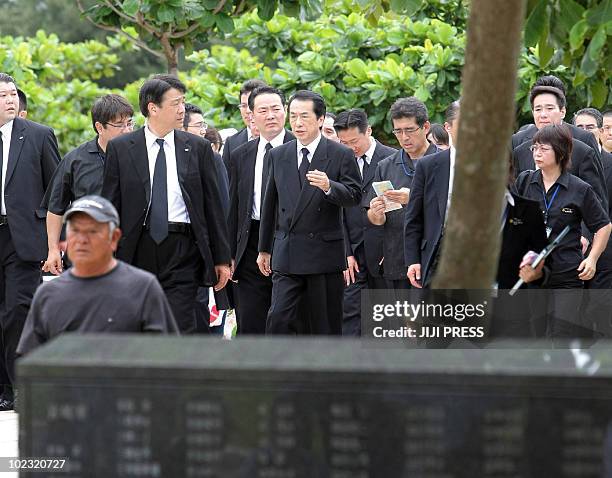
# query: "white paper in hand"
{"type": "Point", "coordinates": [379, 188]}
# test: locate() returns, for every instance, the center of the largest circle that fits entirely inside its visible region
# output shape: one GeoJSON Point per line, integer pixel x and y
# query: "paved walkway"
{"type": "Point", "coordinates": [8, 438]}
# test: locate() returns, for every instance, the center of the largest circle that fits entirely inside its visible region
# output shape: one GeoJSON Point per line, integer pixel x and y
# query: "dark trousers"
{"type": "Point", "coordinates": [177, 263]}
{"type": "Point", "coordinates": [18, 282]}
{"type": "Point", "coordinates": [321, 296]}
{"type": "Point", "coordinates": [351, 317]}
{"type": "Point", "coordinates": [254, 290]}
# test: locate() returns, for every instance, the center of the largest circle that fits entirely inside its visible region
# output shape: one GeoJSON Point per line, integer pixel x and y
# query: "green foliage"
{"type": "Point", "coordinates": [57, 77]}
{"type": "Point", "coordinates": [571, 38]}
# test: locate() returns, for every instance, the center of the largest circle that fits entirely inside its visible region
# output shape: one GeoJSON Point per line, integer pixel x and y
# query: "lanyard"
{"type": "Point", "coordinates": [547, 204]}
{"type": "Point", "coordinates": [407, 172]}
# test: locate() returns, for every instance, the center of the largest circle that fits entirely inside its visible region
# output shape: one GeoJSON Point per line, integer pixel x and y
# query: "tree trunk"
{"type": "Point", "coordinates": [470, 249]}
{"type": "Point", "coordinates": [171, 54]}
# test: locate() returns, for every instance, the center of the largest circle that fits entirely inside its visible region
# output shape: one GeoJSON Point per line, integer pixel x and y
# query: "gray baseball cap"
{"type": "Point", "coordinates": [99, 208]}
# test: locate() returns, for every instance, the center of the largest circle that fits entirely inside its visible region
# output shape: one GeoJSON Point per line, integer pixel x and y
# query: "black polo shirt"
{"type": "Point", "coordinates": [570, 201]}
{"type": "Point", "coordinates": [80, 173]}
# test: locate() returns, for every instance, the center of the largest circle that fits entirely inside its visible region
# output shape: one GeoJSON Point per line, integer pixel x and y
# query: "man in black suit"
{"type": "Point", "coordinates": [245, 134]}
{"type": "Point", "coordinates": [364, 240]}
{"type": "Point", "coordinates": [163, 183]}
{"type": "Point", "coordinates": [547, 113]}
{"type": "Point", "coordinates": [28, 158]}
{"type": "Point", "coordinates": [248, 168]}
{"type": "Point", "coordinates": [301, 236]}
{"type": "Point", "coordinates": [427, 209]}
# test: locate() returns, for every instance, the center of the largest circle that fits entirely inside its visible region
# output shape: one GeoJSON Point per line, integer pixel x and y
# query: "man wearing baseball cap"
{"type": "Point", "coordinates": [99, 293]}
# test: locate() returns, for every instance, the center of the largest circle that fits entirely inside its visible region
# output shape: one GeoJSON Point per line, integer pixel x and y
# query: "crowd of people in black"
{"type": "Point", "coordinates": [285, 226]}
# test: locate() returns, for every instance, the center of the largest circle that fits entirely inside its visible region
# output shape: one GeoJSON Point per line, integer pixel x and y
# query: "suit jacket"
{"type": "Point", "coordinates": [523, 231]}
{"type": "Point", "coordinates": [33, 157]}
{"type": "Point", "coordinates": [358, 229]}
{"type": "Point", "coordinates": [584, 164]}
{"type": "Point", "coordinates": [425, 211]}
{"type": "Point", "coordinates": [605, 260]}
{"type": "Point", "coordinates": [223, 182]}
{"type": "Point", "coordinates": [586, 137]}
{"type": "Point", "coordinates": [233, 142]}
{"type": "Point", "coordinates": [303, 227]}
{"type": "Point", "coordinates": [241, 165]}
{"type": "Point", "coordinates": [127, 184]}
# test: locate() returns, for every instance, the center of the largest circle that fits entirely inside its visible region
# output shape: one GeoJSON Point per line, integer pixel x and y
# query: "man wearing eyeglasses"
{"type": "Point", "coordinates": [246, 134]}
{"type": "Point", "coordinates": [80, 172]}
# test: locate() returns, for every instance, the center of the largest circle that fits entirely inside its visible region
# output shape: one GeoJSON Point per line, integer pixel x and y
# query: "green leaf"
{"type": "Point", "coordinates": [570, 13]}
{"type": "Point", "coordinates": [266, 9]}
{"type": "Point", "coordinates": [588, 66]}
{"type": "Point", "coordinates": [600, 93]}
{"type": "Point", "coordinates": [601, 14]}
{"type": "Point", "coordinates": [536, 23]}
{"type": "Point", "coordinates": [422, 93]}
{"type": "Point", "coordinates": [406, 7]}
{"type": "Point", "coordinates": [357, 68]}
{"type": "Point", "coordinates": [577, 33]}
{"type": "Point", "coordinates": [207, 20]}
{"type": "Point", "coordinates": [224, 23]}
{"type": "Point", "coordinates": [165, 14]}
{"type": "Point", "coordinates": [130, 7]}
{"type": "Point", "coordinates": [597, 43]}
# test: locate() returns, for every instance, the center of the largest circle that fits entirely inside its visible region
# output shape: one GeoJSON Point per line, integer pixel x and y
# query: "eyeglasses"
{"type": "Point", "coordinates": [588, 127]}
{"type": "Point", "coordinates": [542, 148]}
{"type": "Point", "coordinates": [127, 125]}
{"type": "Point", "coordinates": [201, 125]}
{"type": "Point", "coordinates": [405, 131]}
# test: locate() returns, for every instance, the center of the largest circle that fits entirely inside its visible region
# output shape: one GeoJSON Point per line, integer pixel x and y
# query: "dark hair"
{"type": "Point", "coordinates": [354, 118]}
{"type": "Point", "coordinates": [318, 103]}
{"type": "Point", "coordinates": [212, 135]}
{"type": "Point", "coordinates": [329, 114]}
{"type": "Point", "coordinates": [410, 107]}
{"type": "Point", "coordinates": [552, 90]}
{"type": "Point", "coordinates": [153, 90]}
{"type": "Point", "coordinates": [108, 107]}
{"type": "Point", "coordinates": [23, 100]}
{"type": "Point", "coordinates": [439, 133]}
{"type": "Point", "coordinates": [560, 138]}
{"type": "Point", "coordinates": [265, 90]}
{"type": "Point", "coordinates": [249, 85]}
{"type": "Point", "coordinates": [4, 78]}
{"type": "Point", "coordinates": [606, 113]}
{"type": "Point", "coordinates": [189, 110]}
{"type": "Point", "coordinates": [592, 112]}
{"type": "Point", "coordinates": [550, 80]}
{"type": "Point", "coordinates": [452, 111]}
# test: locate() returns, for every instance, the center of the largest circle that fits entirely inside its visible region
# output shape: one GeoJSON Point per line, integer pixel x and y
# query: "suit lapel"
{"type": "Point", "coordinates": [369, 176]}
{"type": "Point", "coordinates": [442, 175]}
{"type": "Point", "coordinates": [140, 159]}
{"type": "Point", "coordinates": [320, 162]}
{"type": "Point", "coordinates": [18, 136]}
{"type": "Point", "coordinates": [182, 149]}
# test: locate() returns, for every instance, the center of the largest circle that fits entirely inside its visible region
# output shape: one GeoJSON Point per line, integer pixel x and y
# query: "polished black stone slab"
{"type": "Point", "coordinates": [124, 406]}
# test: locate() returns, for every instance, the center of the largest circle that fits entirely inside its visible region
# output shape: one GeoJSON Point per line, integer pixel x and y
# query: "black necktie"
{"type": "Point", "coordinates": [266, 167]}
{"type": "Point", "coordinates": [364, 170]}
{"type": "Point", "coordinates": [303, 167]}
{"type": "Point", "coordinates": [159, 197]}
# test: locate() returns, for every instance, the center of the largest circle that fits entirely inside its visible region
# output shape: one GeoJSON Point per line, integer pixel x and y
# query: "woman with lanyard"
{"type": "Point", "coordinates": [565, 200]}
{"type": "Point", "coordinates": [410, 126]}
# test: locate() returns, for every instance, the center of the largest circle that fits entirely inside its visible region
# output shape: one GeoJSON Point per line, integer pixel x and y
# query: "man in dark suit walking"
{"type": "Point", "coordinates": [245, 134]}
{"type": "Point", "coordinates": [427, 209]}
{"type": "Point", "coordinates": [248, 170]}
{"type": "Point", "coordinates": [28, 158]}
{"type": "Point", "coordinates": [364, 240]}
{"type": "Point", "coordinates": [301, 235]}
{"type": "Point", "coordinates": [163, 183]}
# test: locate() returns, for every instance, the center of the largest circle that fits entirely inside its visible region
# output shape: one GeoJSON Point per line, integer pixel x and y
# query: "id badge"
{"type": "Point", "coordinates": [548, 231]}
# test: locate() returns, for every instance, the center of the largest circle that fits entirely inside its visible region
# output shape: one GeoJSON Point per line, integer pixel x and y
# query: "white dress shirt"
{"type": "Point", "coordinates": [369, 154]}
{"type": "Point", "coordinates": [7, 131]}
{"type": "Point", "coordinates": [177, 210]}
{"type": "Point", "coordinates": [258, 187]}
{"type": "Point", "coordinates": [451, 180]}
